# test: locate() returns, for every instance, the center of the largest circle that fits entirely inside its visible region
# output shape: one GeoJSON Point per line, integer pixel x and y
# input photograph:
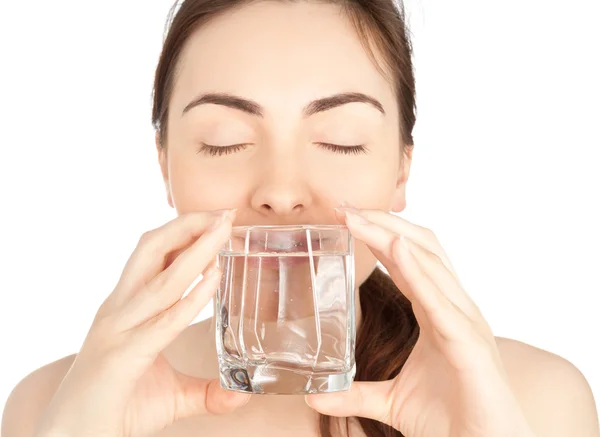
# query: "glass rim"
{"type": "Point", "coordinates": [316, 227]}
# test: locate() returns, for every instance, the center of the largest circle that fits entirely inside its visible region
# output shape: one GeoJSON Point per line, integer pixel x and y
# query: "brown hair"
{"type": "Point", "coordinates": [388, 329]}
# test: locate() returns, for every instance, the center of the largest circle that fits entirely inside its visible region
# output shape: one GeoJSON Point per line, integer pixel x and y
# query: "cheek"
{"type": "Point", "coordinates": [373, 189]}
{"type": "Point", "coordinates": [198, 188]}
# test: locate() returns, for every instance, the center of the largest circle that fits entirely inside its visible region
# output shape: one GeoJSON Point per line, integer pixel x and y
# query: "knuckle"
{"type": "Point", "coordinates": [105, 308]}
{"type": "Point", "coordinates": [102, 320]}
{"type": "Point", "coordinates": [429, 234]}
{"type": "Point", "coordinates": [147, 238]}
{"type": "Point", "coordinates": [437, 259]}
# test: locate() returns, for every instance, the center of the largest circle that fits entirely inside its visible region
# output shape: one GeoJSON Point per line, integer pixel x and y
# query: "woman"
{"type": "Point", "coordinates": [324, 137]}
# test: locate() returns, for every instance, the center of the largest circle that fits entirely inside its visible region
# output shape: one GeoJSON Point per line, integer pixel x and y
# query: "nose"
{"type": "Point", "coordinates": [282, 188]}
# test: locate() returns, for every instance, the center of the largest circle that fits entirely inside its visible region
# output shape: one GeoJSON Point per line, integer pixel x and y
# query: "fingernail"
{"type": "Point", "coordinates": [356, 219]}
{"type": "Point", "coordinates": [230, 212]}
{"type": "Point", "coordinates": [219, 220]}
{"type": "Point", "coordinates": [306, 400]}
{"type": "Point", "coordinates": [344, 209]}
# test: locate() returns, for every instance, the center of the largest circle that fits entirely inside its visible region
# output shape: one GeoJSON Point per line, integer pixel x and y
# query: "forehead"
{"type": "Point", "coordinates": [279, 53]}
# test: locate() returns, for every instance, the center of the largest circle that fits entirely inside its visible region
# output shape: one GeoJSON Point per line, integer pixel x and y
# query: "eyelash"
{"type": "Point", "coordinates": [226, 150]}
{"type": "Point", "coordinates": [207, 149]}
{"type": "Point", "coordinates": [346, 150]}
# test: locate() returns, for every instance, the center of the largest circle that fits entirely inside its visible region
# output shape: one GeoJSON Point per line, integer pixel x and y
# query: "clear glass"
{"type": "Point", "coordinates": [285, 310]}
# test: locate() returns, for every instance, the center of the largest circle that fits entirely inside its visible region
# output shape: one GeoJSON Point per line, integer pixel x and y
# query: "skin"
{"type": "Point", "coordinates": [284, 177]}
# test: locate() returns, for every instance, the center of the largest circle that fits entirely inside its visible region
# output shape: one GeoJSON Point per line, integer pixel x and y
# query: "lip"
{"type": "Point", "coordinates": [284, 239]}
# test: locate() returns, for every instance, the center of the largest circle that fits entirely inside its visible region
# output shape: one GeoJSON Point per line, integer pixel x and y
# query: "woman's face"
{"type": "Point", "coordinates": [275, 62]}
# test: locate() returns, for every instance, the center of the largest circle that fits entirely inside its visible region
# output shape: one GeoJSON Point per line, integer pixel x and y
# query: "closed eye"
{"type": "Point", "coordinates": [207, 149]}
{"type": "Point", "coordinates": [211, 150]}
{"type": "Point", "coordinates": [347, 150]}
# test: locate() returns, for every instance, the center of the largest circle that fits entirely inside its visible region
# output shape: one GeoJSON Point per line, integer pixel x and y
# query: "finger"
{"type": "Point", "coordinates": [436, 270]}
{"type": "Point", "coordinates": [158, 332]}
{"type": "Point", "coordinates": [400, 226]}
{"type": "Point", "coordinates": [392, 268]}
{"type": "Point", "coordinates": [154, 248]}
{"type": "Point", "coordinates": [446, 318]}
{"type": "Point", "coordinates": [340, 215]}
{"type": "Point", "coordinates": [364, 399]}
{"type": "Point", "coordinates": [381, 239]}
{"type": "Point", "coordinates": [377, 237]}
{"type": "Point", "coordinates": [169, 285]}
{"type": "Point", "coordinates": [202, 396]}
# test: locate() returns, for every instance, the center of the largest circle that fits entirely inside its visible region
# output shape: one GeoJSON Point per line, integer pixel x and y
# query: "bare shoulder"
{"type": "Point", "coordinates": [555, 395]}
{"type": "Point", "coordinates": [31, 395]}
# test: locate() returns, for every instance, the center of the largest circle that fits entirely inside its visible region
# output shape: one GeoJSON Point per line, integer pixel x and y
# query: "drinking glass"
{"type": "Point", "coordinates": [285, 312]}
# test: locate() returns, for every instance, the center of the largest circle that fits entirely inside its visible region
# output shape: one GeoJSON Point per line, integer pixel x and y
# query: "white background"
{"type": "Point", "coordinates": [505, 165]}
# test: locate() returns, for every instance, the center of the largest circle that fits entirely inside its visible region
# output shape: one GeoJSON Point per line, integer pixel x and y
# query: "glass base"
{"type": "Point", "coordinates": [276, 379]}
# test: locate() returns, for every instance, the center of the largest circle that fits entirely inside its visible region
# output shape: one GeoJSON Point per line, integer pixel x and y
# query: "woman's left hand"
{"type": "Point", "coordinates": [453, 384]}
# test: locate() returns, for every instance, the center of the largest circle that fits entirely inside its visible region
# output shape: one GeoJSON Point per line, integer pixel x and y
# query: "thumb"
{"type": "Point", "coordinates": [199, 396]}
{"type": "Point", "coordinates": [364, 399]}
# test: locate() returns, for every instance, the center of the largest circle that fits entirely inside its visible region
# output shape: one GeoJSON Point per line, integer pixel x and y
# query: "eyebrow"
{"type": "Point", "coordinates": [253, 108]}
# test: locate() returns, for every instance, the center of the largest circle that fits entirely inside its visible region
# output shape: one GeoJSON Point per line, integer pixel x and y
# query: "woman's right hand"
{"type": "Point", "coordinates": [120, 384]}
